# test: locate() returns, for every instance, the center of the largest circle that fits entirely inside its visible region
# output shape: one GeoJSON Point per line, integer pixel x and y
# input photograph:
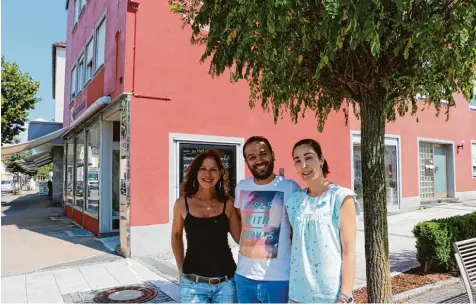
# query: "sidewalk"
{"type": "Point", "coordinates": [449, 294]}
{"type": "Point", "coordinates": [82, 284]}
{"type": "Point", "coordinates": [401, 241]}
{"type": "Point", "coordinates": [36, 236]}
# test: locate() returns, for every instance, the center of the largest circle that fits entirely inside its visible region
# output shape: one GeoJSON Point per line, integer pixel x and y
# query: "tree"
{"type": "Point", "coordinates": [373, 56]}
{"type": "Point", "coordinates": [18, 97]}
{"type": "Point", "coordinates": [12, 165]}
{"type": "Point", "coordinates": [44, 171]}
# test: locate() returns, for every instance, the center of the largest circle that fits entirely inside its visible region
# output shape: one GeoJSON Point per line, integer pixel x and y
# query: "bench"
{"type": "Point", "coordinates": [465, 254]}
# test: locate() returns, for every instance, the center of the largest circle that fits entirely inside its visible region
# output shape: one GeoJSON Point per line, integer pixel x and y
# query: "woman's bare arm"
{"type": "Point", "coordinates": [235, 221]}
{"type": "Point", "coordinates": [177, 233]}
{"type": "Point", "coordinates": [348, 234]}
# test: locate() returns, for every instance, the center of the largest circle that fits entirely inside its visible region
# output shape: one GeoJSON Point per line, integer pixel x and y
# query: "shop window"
{"type": "Point", "coordinates": [93, 144]}
{"type": "Point", "coordinates": [189, 151]}
{"type": "Point", "coordinates": [79, 171]}
{"type": "Point", "coordinates": [70, 172]}
{"type": "Point", "coordinates": [100, 44]}
{"type": "Point", "coordinates": [473, 157]}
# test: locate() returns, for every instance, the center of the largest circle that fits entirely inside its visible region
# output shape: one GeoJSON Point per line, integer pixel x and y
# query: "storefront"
{"type": "Point", "coordinates": [92, 181]}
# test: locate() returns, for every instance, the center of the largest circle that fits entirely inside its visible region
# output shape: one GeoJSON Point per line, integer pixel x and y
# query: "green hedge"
{"type": "Point", "coordinates": [435, 240]}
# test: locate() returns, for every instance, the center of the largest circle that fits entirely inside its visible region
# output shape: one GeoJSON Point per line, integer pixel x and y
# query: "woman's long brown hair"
{"type": "Point", "coordinates": [189, 188]}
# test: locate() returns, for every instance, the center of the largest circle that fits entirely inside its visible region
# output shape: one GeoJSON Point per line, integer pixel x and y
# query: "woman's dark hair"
{"type": "Point", "coordinates": [317, 148]}
{"type": "Point", "coordinates": [190, 184]}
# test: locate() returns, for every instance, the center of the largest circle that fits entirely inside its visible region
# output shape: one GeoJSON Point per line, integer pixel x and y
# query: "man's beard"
{"type": "Point", "coordinates": [263, 175]}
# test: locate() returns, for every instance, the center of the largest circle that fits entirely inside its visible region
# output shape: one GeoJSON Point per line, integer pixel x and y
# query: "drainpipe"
{"type": "Point", "coordinates": [135, 6]}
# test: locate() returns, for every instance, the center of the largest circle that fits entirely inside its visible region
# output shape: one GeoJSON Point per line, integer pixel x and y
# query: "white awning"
{"type": "Point", "coordinates": [87, 114]}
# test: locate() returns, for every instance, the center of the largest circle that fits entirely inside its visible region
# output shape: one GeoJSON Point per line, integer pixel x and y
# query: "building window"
{"type": "Point", "coordinates": [89, 60]}
{"type": "Point", "coordinates": [79, 171]}
{"type": "Point", "coordinates": [472, 101]}
{"type": "Point", "coordinates": [70, 171]}
{"type": "Point", "coordinates": [188, 151]}
{"type": "Point", "coordinates": [473, 157]}
{"type": "Point", "coordinates": [82, 4]}
{"type": "Point", "coordinates": [76, 11]}
{"type": "Point", "coordinates": [100, 44]}
{"type": "Point", "coordinates": [74, 83]}
{"type": "Point", "coordinates": [80, 73]}
{"type": "Point", "coordinates": [93, 144]}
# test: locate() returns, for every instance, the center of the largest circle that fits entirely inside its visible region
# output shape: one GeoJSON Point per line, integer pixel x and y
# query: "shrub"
{"type": "Point", "coordinates": [435, 238]}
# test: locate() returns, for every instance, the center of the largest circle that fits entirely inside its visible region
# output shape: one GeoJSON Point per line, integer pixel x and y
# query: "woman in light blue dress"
{"type": "Point", "coordinates": [323, 218]}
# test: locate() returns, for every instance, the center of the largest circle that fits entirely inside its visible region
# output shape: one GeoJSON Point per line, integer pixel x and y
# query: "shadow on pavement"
{"type": "Point", "coordinates": [34, 213]}
{"type": "Point", "coordinates": [403, 261]}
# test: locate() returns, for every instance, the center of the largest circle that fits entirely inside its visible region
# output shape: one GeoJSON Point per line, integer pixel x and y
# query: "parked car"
{"type": "Point", "coordinates": [7, 186]}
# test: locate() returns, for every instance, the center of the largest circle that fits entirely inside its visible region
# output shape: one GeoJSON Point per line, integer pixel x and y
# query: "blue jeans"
{"type": "Point", "coordinates": [251, 291]}
{"type": "Point", "coordinates": [193, 292]}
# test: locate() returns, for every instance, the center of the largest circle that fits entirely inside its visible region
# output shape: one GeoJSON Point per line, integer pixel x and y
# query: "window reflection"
{"type": "Point", "coordinates": [70, 172]}
{"type": "Point", "coordinates": [79, 169]}
{"type": "Point", "coordinates": [93, 142]}
{"type": "Point", "coordinates": [391, 174]}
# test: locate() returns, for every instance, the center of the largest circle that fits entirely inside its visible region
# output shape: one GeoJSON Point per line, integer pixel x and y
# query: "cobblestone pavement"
{"type": "Point", "coordinates": [455, 293]}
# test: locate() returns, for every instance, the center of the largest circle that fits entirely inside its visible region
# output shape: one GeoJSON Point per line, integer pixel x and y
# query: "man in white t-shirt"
{"type": "Point", "coordinates": [262, 274]}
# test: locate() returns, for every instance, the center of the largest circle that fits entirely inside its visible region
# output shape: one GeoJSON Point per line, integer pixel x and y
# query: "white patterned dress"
{"type": "Point", "coordinates": [316, 255]}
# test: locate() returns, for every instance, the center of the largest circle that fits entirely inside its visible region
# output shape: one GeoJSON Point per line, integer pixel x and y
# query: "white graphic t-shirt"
{"type": "Point", "coordinates": [265, 244]}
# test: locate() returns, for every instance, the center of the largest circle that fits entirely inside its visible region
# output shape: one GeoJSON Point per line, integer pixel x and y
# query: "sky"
{"type": "Point", "coordinates": [29, 28]}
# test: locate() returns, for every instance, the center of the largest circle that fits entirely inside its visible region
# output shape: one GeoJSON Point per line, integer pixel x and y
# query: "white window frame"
{"type": "Point", "coordinates": [82, 5]}
{"type": "Point", "coordinates": [76, 12]}
{"type": "Point", "coordinates": [391, 140]}
{"type": "Point", "coordinates": [97, 63]}
{"type": "Point", "coordinates": [176, 138]}
{"type": "Point", "coordinates": [89, 61]}
{"type": "Point", "coordinates": [473, 159]}
{"type": "Point", "coordinates": [73, 84]}
{"type": "Point", "coordinates": [80, 70]}
{"type": "Point", "coordinates": [473, 96]}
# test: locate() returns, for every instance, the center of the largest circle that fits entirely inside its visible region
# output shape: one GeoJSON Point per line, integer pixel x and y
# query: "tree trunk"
{"type": "Point", "coordinates": [375, 203]}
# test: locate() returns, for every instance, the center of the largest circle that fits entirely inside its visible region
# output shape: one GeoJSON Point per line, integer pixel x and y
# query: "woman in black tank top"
{"type": "Point", "coordinates": [206, 213]}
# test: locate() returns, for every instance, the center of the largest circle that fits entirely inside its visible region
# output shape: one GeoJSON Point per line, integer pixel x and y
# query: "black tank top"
{"type": "Point", "coordinates": [208, 252]}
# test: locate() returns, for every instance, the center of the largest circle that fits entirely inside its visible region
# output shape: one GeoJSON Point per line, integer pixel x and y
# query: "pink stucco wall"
{"type": "Point", "coordinates": [460, 126]}
{"type": "Point", "coordinates": [168, 66]}
{"type": "Point", "coordinates": [115, 12]}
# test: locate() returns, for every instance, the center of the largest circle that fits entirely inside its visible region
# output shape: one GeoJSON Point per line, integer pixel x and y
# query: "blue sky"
{"type": "Point", "coordinates": [29, 27]}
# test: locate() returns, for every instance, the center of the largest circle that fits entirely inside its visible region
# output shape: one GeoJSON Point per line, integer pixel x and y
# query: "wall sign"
{"type": "Point", "coordinates": [77, 109]}
{"type": "Point", "coordinates": [188, 151]}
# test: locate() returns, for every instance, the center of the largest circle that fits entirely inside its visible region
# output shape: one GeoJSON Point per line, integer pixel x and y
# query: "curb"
{"type": "Point", "coordinates": [414, 292]}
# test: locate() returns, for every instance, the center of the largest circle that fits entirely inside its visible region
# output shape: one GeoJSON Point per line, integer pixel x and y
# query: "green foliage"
{"type": "Point", "coordinates": [318, 54]}
{"type": "Point", "coordinates": [435, 240]}
{"type": "Point", "coordinates": [11, 162]}
{"type": "Point", "coordinates": [18, 97]}
{"type": "Point", "coordinates": [45, 170]}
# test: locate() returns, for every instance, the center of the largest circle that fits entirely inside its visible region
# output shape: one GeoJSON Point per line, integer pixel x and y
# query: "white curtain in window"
{"type": "Point", "coordinates": [100, 44]}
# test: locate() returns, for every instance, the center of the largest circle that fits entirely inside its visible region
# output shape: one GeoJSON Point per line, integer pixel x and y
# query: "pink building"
{"type": "Point", "coordinates": [139, 106]}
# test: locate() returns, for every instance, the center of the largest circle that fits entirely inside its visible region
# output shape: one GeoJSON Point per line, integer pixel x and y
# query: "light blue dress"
{"type": "Point", "coordinates": [316, 256]}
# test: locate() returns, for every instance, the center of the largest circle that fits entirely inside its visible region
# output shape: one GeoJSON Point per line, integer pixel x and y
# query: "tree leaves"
{"type": "Point", "coordinates": [18, 97]}
{"type": "Point", "coordinates": [290, 52]}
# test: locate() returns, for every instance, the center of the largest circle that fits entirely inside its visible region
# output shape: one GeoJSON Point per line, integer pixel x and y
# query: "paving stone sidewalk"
{"type": "Point", "coordinates": [400, 236]}
{"type": "Point", "coordinates": [455, 293]}
{"type": "Point", "coordinates": [80, 284]}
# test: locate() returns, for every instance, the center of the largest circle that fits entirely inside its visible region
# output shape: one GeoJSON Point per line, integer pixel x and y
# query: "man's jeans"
{"type": "Point", "coordinates": [251, 291]}
{"type": "Point", "coordinates": [192, 292]}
